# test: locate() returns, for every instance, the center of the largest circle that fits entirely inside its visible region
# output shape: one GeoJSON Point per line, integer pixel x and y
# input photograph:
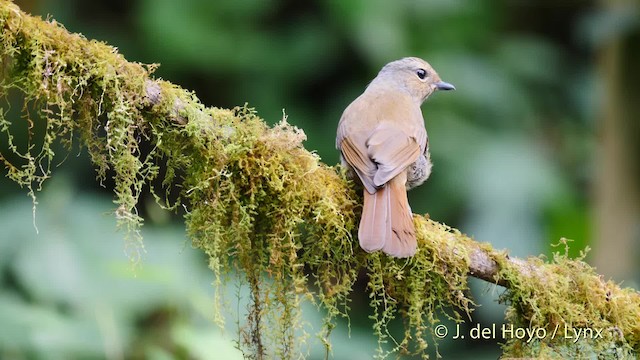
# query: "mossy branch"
{"type": "Point", "coordinates": [259, 203]}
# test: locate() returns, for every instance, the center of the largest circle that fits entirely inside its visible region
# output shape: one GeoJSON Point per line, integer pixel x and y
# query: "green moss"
{"type": "Point", "coordinates": [70, 92]}
{"type": "Point", "coordinates": [256, 204]}
{"type": "Point", "coordinates": [431, 282]}
{"type": "Point", "coordinates": [260, 205]}
{"type": "Point", "coordinates": [580, 314]}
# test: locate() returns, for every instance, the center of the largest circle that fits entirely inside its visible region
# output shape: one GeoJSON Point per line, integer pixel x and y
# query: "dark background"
{"type": "Point", "coordinates": [538, 142]}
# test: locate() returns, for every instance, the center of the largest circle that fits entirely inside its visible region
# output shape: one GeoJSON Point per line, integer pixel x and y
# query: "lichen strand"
{"type": "Point", "coordinates": [583, 316]}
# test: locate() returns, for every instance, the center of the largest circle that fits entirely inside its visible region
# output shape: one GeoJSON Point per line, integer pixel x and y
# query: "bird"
{"type": "Point", "coordinates": [383, 142]}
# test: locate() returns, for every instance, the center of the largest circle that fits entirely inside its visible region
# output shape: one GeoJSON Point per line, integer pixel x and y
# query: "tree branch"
{"type": "Point", "coordinates": [248, 188]}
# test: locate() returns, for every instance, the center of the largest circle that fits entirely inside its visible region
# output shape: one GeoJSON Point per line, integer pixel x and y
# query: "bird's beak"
{"type": "Point", "coordinates": [441, 85]}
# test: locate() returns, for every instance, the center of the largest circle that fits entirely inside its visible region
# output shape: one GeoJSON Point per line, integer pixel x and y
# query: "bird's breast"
{"type": "Point", "coordinates": [419, 171]}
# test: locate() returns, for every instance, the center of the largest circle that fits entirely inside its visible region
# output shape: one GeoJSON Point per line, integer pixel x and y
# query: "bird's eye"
{"type": "Point", "coordinates": [422, 73]}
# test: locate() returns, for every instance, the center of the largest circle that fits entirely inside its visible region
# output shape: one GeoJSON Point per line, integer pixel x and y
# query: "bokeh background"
{"type": "Point", "coordinates": [540, 141]}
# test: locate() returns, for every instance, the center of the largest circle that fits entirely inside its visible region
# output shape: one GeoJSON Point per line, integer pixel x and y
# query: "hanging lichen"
{"type": "Point", "coordinates": [262, 206]}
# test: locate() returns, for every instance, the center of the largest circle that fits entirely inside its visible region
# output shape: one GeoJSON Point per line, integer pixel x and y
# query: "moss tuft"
{"type": "Point", "coordinates": [579, 313]}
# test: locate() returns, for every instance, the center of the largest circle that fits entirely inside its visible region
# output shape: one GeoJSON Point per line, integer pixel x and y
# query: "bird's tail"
{"type": "Point", "coordinates": [387, 222]}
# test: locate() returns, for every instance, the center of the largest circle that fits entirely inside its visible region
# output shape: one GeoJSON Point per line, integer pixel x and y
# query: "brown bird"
{"type": "Point", "coordinates": [382, 138]}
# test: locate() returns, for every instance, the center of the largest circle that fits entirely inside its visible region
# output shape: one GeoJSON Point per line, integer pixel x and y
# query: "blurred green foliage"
{"type": "Point", "coordinates": [512, 147]}
{"type": "Point", "coordinates": [69, 291]}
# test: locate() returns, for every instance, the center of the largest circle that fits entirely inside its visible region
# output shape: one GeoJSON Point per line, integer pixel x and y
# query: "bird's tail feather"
{"type": "Point", "coordinates": [403, 234]}
{"type": "Point", "coordinates": [375, 225]}
{"type": "Point", "coordinates": [387, 222]}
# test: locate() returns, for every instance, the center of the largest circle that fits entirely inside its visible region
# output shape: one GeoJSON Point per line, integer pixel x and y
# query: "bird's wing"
{"type": "Point", "coordinates": [393, 150]}
{"type": "Point", "coordinates": [377, 148]}
{"type": "Point", "coordinates": [357, 157]}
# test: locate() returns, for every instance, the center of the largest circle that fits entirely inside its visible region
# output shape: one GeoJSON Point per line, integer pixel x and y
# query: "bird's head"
{"type": "Point", "coordinates": [415, 76]}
